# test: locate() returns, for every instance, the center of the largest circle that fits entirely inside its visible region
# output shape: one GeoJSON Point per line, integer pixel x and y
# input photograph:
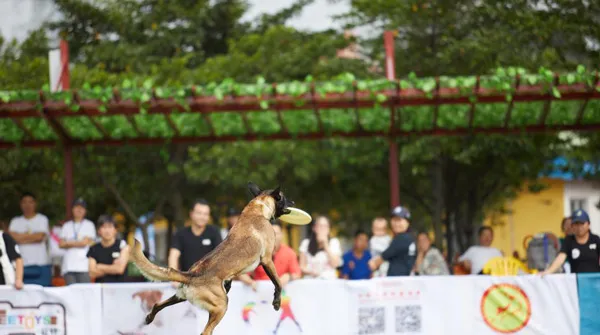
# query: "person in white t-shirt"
{"type": "Point", "coordinates": [56, 253]}
{"type": "Point", "coordinates": [379, 242]}
{"type": "Point", "coordinates": [31, 231]}
{"type": "Point", "coordinates": [476, 256]}
{"type": "Point", "coordinates": [321, 254]}
{"type": "Point", "coordinates": [77, 236]}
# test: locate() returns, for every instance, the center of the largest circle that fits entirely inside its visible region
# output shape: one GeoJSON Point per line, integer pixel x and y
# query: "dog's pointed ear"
{"type": "Point", "coordinates": [276, 193]}
{"type": "Point", "coordinates": [254, 189]}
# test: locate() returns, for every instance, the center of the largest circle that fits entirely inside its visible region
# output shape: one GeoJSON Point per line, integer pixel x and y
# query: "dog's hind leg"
{"type": "Point", "coordinates": [269, 268]}
{"type": "Point", "coordinates": [215, 316]}
{"type": "Point", "coordinates": [214, 300]}
{"type": "Point", "coordinates": [227, 285]}
{"type": "Point", "coordinates": [161, 305]}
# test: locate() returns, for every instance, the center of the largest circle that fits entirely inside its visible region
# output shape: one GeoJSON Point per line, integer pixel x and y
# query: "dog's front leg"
{"type": "Point", "coordinates": [269, 268]}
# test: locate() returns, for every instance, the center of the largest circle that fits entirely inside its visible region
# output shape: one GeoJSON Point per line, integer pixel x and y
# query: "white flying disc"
{"type": "Point", "coordinates": [297, 216]}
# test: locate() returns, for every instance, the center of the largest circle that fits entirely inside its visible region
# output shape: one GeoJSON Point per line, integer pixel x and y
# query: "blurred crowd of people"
{"type": "Point", "coordinates": [91, 252]}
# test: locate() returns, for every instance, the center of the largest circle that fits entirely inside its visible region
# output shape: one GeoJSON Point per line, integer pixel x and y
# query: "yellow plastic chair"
{"type": "Point", "coordinates": [506, 266]}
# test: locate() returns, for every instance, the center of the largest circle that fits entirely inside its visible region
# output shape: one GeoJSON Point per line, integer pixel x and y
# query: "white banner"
{"type": "Point", "coordinates": [309, 306]}
{"type": "Point", "coordinates": [450, 305]}
{"type": "Point", "coordinates": [125, 307]}
{"type": "Point", "coordinates": [466, 305]}
{"type": "Point", "coordinates": [51, 311]}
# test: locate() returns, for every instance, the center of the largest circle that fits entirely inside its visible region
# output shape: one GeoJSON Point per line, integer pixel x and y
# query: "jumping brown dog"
{"type": "Point", "coordinates": [250, 242]}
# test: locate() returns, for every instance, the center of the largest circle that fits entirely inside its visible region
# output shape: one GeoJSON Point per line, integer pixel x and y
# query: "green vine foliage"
{"type": "Point", "coordinates": [302, 121]}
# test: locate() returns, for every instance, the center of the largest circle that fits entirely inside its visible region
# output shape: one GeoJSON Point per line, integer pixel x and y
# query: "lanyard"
{"type": "Point", "coordinates": [76, 232]}
{"type": "Point", "coordinates": [29, 225]}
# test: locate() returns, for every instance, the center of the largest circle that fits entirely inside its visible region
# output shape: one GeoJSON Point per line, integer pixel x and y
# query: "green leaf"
{"type": "Point", "coordinates": [556, 92]}
{"type": "Point", "coordinates": [264, 104]}
{"type": "Point", "coordinates": [428, 86]}
{"type": "Point", "coordinates": [145, 97]}
{"type": "Point", "coordinates": [580, 69]}
{"type": "Point", "coordinates": [148, 84]}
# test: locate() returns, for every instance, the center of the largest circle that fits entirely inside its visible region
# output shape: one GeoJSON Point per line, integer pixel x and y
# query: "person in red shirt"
{"type": "Point", "coordinates": [285, 259]}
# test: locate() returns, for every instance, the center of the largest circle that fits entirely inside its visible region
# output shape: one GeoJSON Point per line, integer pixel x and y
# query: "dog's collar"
{"type": "Point", "coordinates": [269, 207]}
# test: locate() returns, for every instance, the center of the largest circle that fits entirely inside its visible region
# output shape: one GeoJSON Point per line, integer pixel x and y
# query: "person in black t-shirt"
{"type": "Point", "coordinates": [9, 253]}
{"type": "Point", "coordinates": [192, 243]}
{"type": "Point", "coordinates": [108, 258]}
{"type": "Point", "coordinates": [402, 252]}
{"type": "Point", "coordinates": [581, 249]}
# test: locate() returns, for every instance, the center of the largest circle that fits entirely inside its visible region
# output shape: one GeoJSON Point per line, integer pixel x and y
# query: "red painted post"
{"type": "Point", "coordinates": [394, 171]}
{"type": "Point", "coordinates": [390, 62]}
{"type": "Point", "coordinates": [65, 83]}
{"type": "Point", "coordinates": [65, 78]}
{"type": "Point", "coordinates": [69, 190]}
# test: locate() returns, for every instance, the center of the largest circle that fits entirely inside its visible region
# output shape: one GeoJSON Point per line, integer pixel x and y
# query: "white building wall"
{"type": "Point", "coordinates": [585, 194]}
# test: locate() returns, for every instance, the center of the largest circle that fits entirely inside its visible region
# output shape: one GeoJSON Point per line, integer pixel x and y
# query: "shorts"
{"type": "Point", "coordinates": [38, 275]}
{"type": "Point", "coordinates": [77, 278]}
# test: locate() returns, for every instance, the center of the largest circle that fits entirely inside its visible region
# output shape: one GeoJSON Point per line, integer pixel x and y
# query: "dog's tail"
{"type": "Point", "coordinates": [153, 271]}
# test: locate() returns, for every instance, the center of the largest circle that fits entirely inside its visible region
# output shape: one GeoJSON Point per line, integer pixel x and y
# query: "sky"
{"type": "Point", "coordinates": [315, 17]}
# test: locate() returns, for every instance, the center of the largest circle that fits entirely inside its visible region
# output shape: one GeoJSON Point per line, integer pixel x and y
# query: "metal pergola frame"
{"type": "Point", "coordinates": [52, 112]}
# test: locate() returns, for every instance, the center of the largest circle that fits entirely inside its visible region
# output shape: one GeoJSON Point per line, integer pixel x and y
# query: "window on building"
{"type": "Point", "coordinates": [578, 203]}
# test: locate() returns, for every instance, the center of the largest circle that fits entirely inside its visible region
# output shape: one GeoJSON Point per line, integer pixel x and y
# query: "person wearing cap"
{"type": "Point", "coordinates": [581, 249]}
{"type": "Point", "coordinates": [76, 237]}
{"type": "Point", "coordinates": [108, 258]}
{"type": "Point", "coordinates": [402, 252]}
{"type": "Point", "coordinates": [232, 217]}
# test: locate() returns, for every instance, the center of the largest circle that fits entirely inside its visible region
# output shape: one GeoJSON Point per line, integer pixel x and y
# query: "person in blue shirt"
{"type": "Point", "coordinates": [356, 261]}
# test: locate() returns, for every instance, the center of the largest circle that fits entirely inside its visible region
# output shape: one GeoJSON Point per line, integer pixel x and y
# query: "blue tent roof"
{"type": "Point", "coordinates": [560, 170]}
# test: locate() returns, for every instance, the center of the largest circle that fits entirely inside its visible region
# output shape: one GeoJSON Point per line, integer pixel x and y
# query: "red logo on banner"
{"type": "Point", "coordinates": [505, 308]}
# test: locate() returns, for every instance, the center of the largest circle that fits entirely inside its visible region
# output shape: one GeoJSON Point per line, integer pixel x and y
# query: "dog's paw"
{"type": "Point", "coordinates": [149, 318]}
{"type": "Point", "coordinates": [276, 303]}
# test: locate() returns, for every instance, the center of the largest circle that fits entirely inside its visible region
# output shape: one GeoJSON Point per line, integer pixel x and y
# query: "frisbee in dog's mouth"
{"type": "Point", "coordinates": [296, 216]}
